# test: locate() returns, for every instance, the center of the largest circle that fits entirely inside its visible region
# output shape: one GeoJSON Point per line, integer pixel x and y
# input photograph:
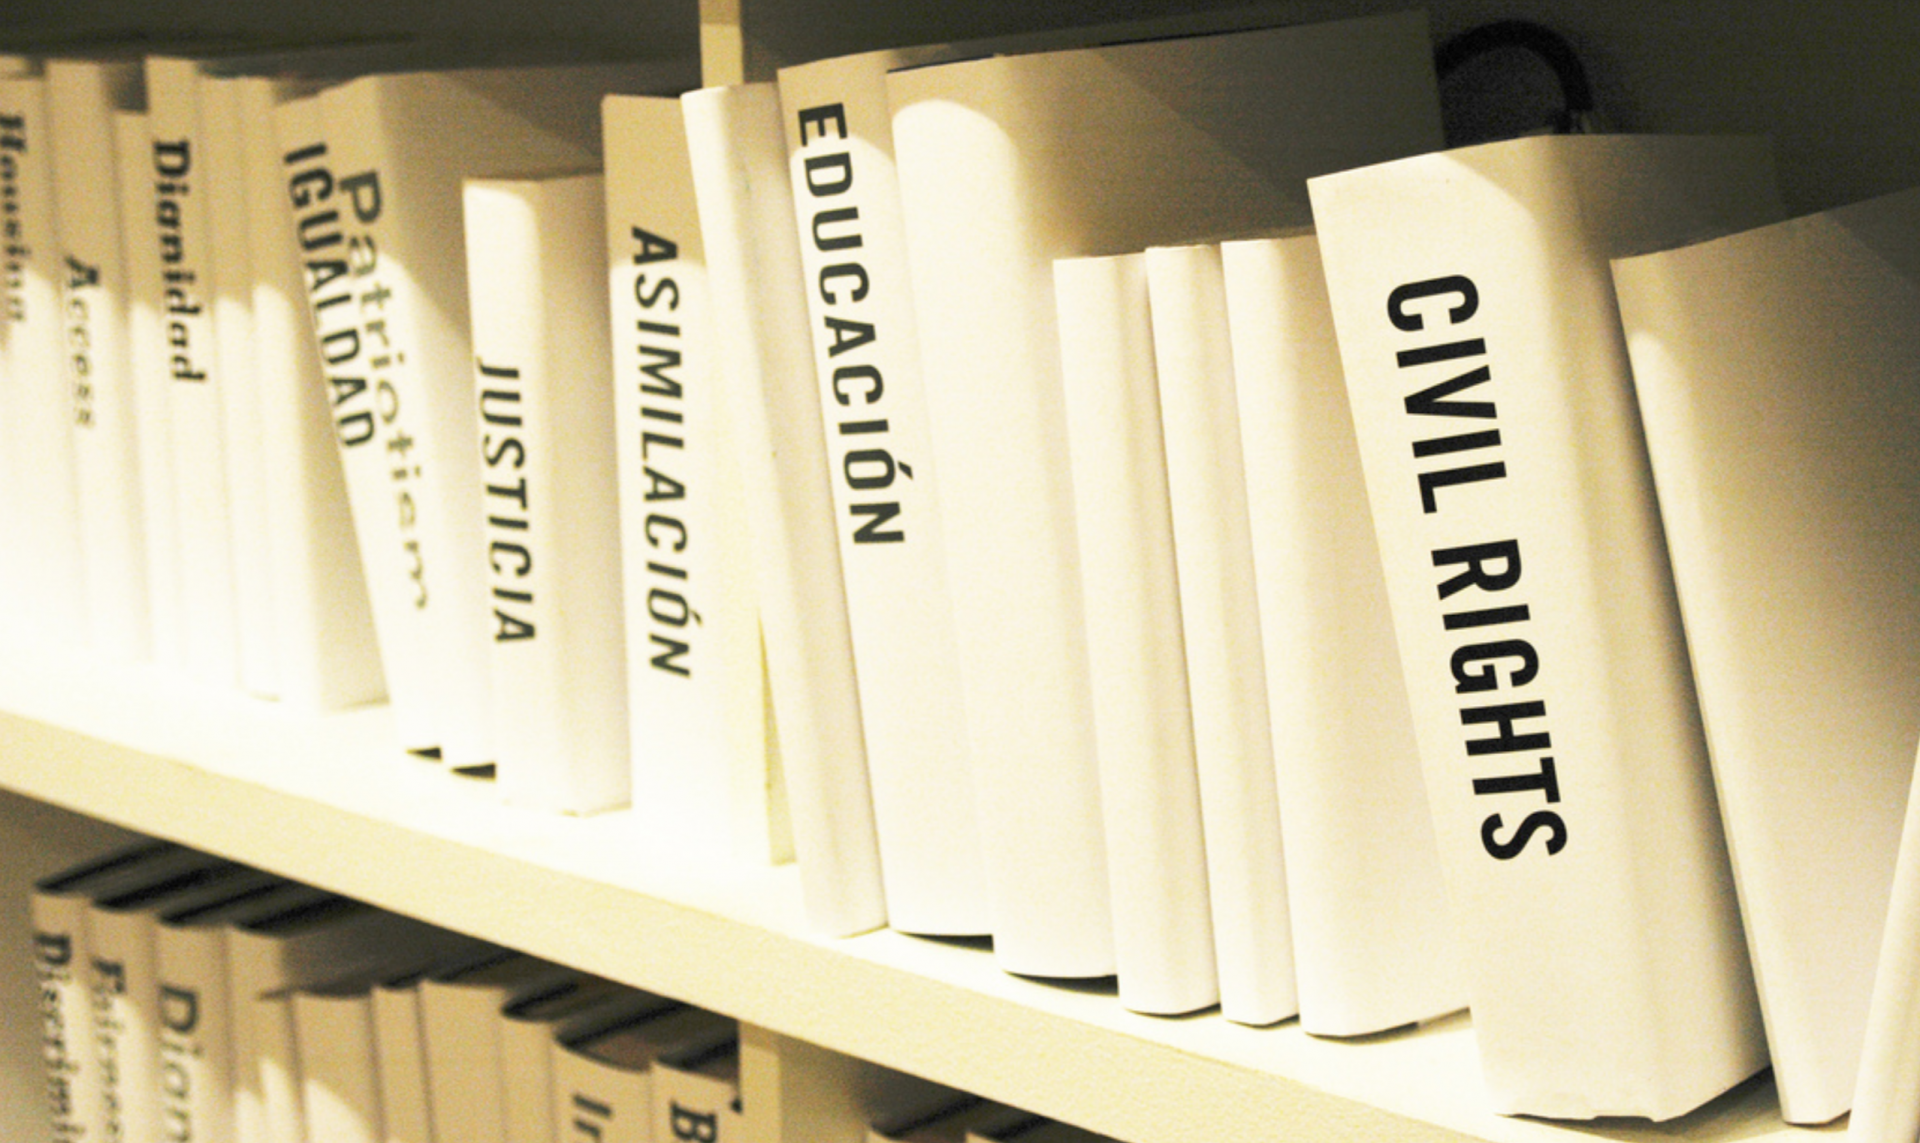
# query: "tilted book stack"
{"type": "Point", "coordinates": [1006, 164]}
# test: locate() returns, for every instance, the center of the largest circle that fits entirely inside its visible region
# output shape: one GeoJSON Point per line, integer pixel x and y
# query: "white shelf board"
{"type": "Point", "coordinates": [332, 800]}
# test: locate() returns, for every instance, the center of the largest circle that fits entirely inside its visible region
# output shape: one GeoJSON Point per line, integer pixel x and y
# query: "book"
{"type": "Point", "coordinates": [1372, 939]}
{"type": "Point", "coordinates": [738, 155]}
{"type": "Point", "coordinates": [324, 650]}
{"type": "Point", "coordinates": [1150, 793]}
{"type": "Point", "coordinates": [1220, 619]}
{"type": "Point", "coordinates": [57, 907]}
{"type": "Point", "coordinates": [121, 948]}
{"type": "Point", "coordinates": [375, 184]}
{"type": "Point", "coordinates": [309, 942]}
{"type": "Point", "coordinates": [49, 606]}
{"type": "Point", "coordinates": [198, 1066]}
{"type": "Point", "coordinates": [530, 1025]}
{"type": "Point", "coordinates": [461, 1034]}
{"type": "Point", "coordinates": [602, 1075]}
{"type": "Point", "coordinates": [1006, 164]}
{"type": "Point", "coordinates": [82, 98]}
{"type": "Point", "coordinates": [537, 288]}
{"type": "Point", "coordinates": [696, 1089]}
{"type": "Point", "coordinates": [885, 488]}
{"type": "Point", "coordinates": [182, 226]}
{"type": "Point", "coordinates": [400, 1058]}
{"type": "Point", "coordinates": [1886, 1091]}
{"type": "Point", "coordinates": [221, 178]}
{"type": "Point", "coordinates": [954, 1122]}
{"type": "Point", "coordinates": [147, 365]}
{"type": "Point", "coordinates": [706, 770]}
{"type": "Point", "coordinates": [797, 1091]}
{"type": "Point", "coordinates": [1775, 375]}
{"type": "Point", "coordinates": [339, 1076]}
{"type": "Point", "coordinates": [1539, 636]}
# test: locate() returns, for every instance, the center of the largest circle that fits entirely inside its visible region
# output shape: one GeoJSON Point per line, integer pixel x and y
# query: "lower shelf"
{"type": "Point", "coordinates": [332, 801]}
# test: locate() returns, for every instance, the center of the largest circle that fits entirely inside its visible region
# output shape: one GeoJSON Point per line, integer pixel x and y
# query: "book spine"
{"type": "Point", "coordinates": [49, 604]}
{"type": "Point", "coordinates": [340, 1091]}
{"type": "Point", "coordinates": [1371, 933]}
{"type": "Point", "coordinates": [1539, 634]}
{"type": "Point", "coordinates": [222, 184]}
{"type": "Point", "coordinates": [67, 1035]}
{"type": "Point", "coordinates": [196, 1036]}
{"type": "Point", "coordinates": [539, 304]}
{"type": "Point", "coordinates": [147, 363]}
{"type": "Point", "coordinates": [415, 341]}
{"type": "Point", "coordinates": [401, 1060]}
{"type": "Point", "coordinates": [373, 427]}
{"type": "Point", "coordinates": [125, 983]}
{"type": "Point", "coordinates": [696, 689]}
{"type": "Point", "coordinates": [1226, 665]}
{"type": "Point", "coordinates": [746, 208]}
{"type": "Point", "coordinates": [81, 100]}
{"type": "Point", "coordinates": [178, 204]}
{"type": "Point", "coordinates": [324, 646]}
{"type": "Point", "coordinates": [595, 1102]}
{"type": "Point", "coordinates": [1007, 507]}
{"type": "Point", "coordinates": [885, 485]}
{"type": "Point", "coordinates": [1150, 792]}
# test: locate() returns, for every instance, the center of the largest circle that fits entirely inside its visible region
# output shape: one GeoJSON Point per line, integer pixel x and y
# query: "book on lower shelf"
{"type": "Point", "coordinates": [1553, 705]}
{"type": "Point", "coordinates": [1776, 374]}
{"type": "Point", "coordinates": [1005, 164]}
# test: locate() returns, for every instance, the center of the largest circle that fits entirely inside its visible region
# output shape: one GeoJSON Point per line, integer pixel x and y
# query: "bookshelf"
{"type": "Point", "coordinates": [86, 750]}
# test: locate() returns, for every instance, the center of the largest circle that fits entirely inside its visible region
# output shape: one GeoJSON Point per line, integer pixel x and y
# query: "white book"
{"type": "Point", "coordinates": [1220, 618]}
{"type": "Point", "coordinates": [1006, 164]}
{"type": "Point", "coordinates": [603, 1075]}
{"type": "Point", "coordinates": [324, 652]}
{"type": "Point", "coordinates": [1539, 634]}
{"type": "Point", "coordinates": [1775, 370]}
{"type": "Point", "coordinates": [738, 154]}
{"type": "Point", "coordinates": [1150, 793]}
{"type": "Point", "coordinates": [121, 945]}
{"type": "Point", "coordinates": [705, 770]}
{"type": "Point", "coordinates": [796, 1091]}
{"type": "Point", "coordinates": [376, 185]}
{"type": "Point", "coordinates": [537, 288]}
{"type": "Point", "coordinates": [460, 1030]}
{"type": "Point", "coordinates": [1372, 940]}
{"type": "Point", "coordinates": [967, 1117]}
{"type": "Point", "coordinates": [82, 98]}
{"type": "Point", "coordinates": [401, 1058]}
{"type": "Point", "coordinates": [57, 907]}
{"type": "Point", "coordinates": [222, 180]}
{"type": "Point", "coordinates": [181, 210]}
{"type": "Point", "coordinates": [528, 1029]}
{"type": "Point", "coordinates": [339, 1074]}
{"type": "Point", "coordinates": [315, 941]}
{"type": "Point", "coordinates": [147, 363]}
{"type": "Point", "coordinates": [1886, 1092]}
{"type": "Point", "coordinates": [885, 486]}
{"type": "Point", "coordinates": [49, 604]}
{"type": "Point", "coordinates": [199, 1073]}
{"type": "Point", "coordinates": [696, 1089]}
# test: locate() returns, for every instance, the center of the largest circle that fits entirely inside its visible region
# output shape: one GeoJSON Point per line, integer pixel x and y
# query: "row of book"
{"type": "Point", "coordinates": [182, 997]}
{"type": "Point", "coordinates": [1078, 495]}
